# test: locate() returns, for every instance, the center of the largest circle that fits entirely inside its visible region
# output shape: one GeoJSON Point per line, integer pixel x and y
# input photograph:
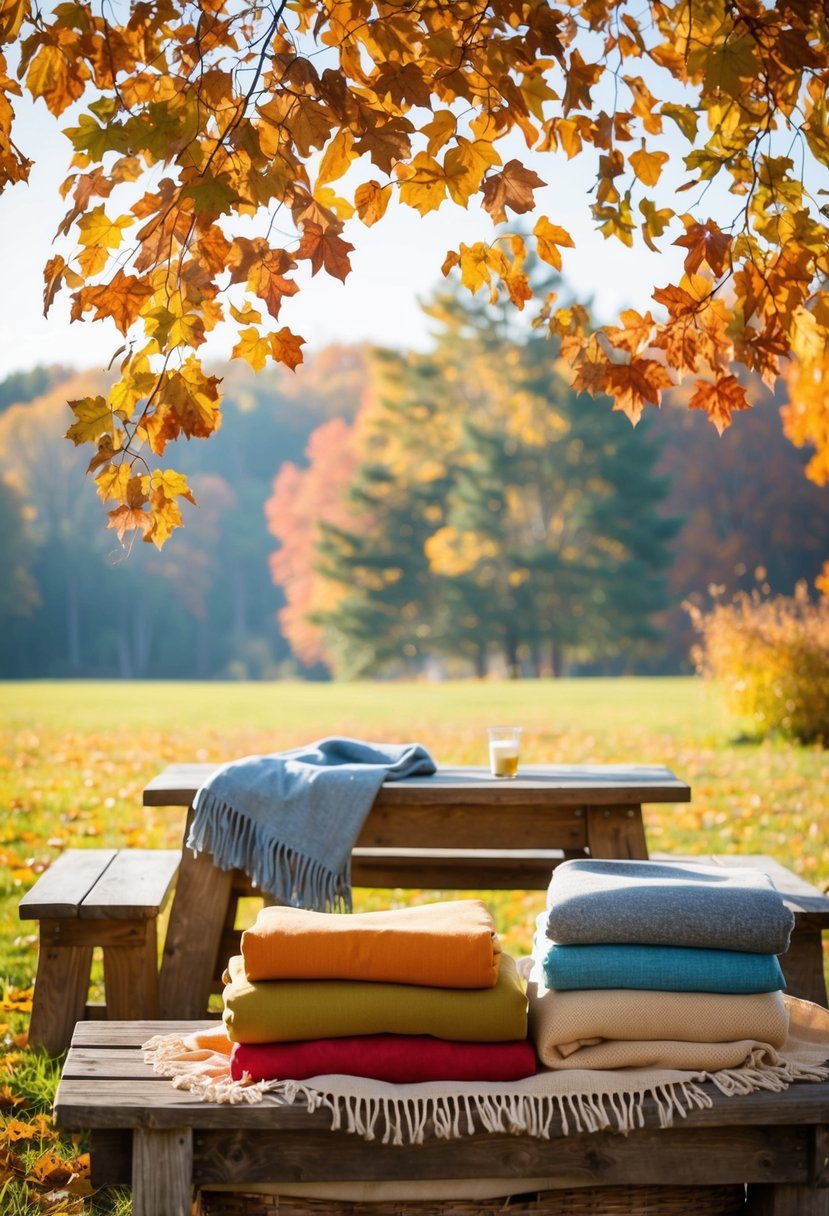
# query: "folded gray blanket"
{"type": "Point", "coordinates": [290, 820]}
{"type": "Point", "coordinates": [666, 904]}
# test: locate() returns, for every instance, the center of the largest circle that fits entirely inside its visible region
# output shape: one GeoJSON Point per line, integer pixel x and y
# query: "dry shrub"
{"type": "Point", "coordinates": [770, 655]}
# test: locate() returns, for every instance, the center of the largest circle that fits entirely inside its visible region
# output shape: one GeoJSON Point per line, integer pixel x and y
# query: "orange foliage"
{"type": "Point", "coordinates": [218, 114]}
{"type": "Point", "coordinates": [303, 499]}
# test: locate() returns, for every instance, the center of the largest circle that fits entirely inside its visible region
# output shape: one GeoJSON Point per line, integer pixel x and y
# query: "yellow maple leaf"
{"type": "Point", "coordinates": [371, 200]}
{"type": "Point", "coordinates": [548, 239]}
{"type": "Point", "coordinates": [337, 157]}
{"type": "Point", "coordinates": [439, 130]}
{"type": "Point", "coordinates": [648, 165]}
{"type": "Point", "coordinates": [252, 347]}
{"type": "Point", "coordinates": [112, 482]}
{"type": "Point", "coordinates": [424, 185]}
{"type": "Point", "coordinates": [93, 418]}
{"type": "Point", "coordinates": [96, 228]}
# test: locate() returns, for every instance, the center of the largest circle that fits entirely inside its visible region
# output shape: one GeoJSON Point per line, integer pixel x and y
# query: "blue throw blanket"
{"type": "Point", "coordinates": [290, 820]}
{"type": "Point", "coordinates": [660, 903]}
{"type": "Point", "coordinates": [655, 968]}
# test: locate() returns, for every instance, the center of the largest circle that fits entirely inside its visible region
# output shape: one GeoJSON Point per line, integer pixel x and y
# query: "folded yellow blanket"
{"type": "Point", "coordinates": [447, 945]}
{"type": "Point", "coordinates": [276, 1011]}
{"type": "Point", "coordinates": [629, 1027]}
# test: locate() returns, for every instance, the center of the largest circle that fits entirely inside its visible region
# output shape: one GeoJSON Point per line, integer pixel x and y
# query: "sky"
{"type": "Point", "coordinates": [395, 264]}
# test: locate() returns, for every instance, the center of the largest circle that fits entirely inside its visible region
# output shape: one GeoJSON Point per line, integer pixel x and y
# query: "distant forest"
{"type": "Point", "coordinates": [75, 603]}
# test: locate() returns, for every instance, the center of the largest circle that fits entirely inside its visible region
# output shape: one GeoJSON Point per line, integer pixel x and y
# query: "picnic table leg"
{"type": "Point", "coordinates": [131, 971]}
{"type": "Point", "coordinates": [162, 1172]}
{"type": "Point", "coordinates": [616, 831]}
{"type": "Point", "coordinates": [194, 935]}
{"type": "Point", "coordinates": [61, 989]}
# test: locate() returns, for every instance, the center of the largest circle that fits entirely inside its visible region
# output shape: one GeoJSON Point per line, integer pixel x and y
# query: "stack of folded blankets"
{"type": "Point", "coordinates": [658, 965]}
{"type": "Point", "coordinates": [413, 994]}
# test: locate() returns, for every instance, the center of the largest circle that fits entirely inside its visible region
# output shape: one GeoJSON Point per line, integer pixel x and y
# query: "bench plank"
{"type": "Point", "coordinates": [60, 890]}
{"type": "Point", "coordinates": [136, 884]}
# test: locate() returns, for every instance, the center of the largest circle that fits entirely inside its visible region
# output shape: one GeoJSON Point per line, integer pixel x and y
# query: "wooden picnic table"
{"type": "Point", "coordinates": [459, 829]}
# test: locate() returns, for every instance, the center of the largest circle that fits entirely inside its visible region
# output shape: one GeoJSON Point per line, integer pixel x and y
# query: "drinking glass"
{"type": "Point", "coordinates": [504, 747]}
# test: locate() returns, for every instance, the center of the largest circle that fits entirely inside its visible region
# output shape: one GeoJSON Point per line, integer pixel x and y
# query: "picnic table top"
{"type": "Point", "coordinates": [562, 784]}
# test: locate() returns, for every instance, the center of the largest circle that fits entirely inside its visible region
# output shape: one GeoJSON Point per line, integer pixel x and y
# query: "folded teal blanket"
{"type": "Point", "coordinates": [657, 903]}
{"type": "Point", "coordinates": [660, 968]}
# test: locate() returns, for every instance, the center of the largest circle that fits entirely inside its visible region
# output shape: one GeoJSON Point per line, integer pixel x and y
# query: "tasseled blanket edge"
{"type": "Point", "coordinates": [278, 869]}
{"type": "Point", "coordinates": [407, 1119]}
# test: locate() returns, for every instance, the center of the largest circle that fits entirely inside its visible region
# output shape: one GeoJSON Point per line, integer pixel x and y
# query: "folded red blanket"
{"type": "Point", "coordinates": [398, 1058]}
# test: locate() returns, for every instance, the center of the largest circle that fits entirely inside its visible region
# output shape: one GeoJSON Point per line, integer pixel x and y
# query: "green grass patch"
{"type": "Point", "coordinates": [75, 756]}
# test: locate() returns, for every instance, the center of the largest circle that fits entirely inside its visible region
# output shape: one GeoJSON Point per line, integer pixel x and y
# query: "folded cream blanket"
{"type": "Point", "coordinates": [451, 944]}
{"type": "Point", "coordinates": [628, 1027]}
{"type": "Point", "coordinates": [552, 1102]}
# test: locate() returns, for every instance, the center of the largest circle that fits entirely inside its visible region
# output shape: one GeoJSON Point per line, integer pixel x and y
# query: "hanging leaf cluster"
{"type": "Point", "coordinates": [222, 152]}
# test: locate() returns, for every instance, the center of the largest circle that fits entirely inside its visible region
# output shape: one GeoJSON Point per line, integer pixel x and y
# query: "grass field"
{"type": "Point", "coordinates": [75, 757]}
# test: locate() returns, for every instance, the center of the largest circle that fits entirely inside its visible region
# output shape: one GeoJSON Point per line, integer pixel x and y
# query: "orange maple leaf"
{"type": "Point", "coordinates": [285, 347]}
{"type": "Point", "coordinates": [720, 399]}
{"type": "Point", "coordinates": [325, 250]}
{"type": "Point", "coordinates": [635, 384]}
{"type": "Point", "coordinates": [512, 187]}
{"type": "Point", "coordinates": [705, 243]}
{"type": "Point", "coordinates": [121, 299]}
{"type": "Point", "coordinates": [266, 279]}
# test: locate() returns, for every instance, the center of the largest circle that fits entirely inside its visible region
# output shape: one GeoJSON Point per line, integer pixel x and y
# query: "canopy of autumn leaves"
{"type": "Point", "coordinates": [220, 153]}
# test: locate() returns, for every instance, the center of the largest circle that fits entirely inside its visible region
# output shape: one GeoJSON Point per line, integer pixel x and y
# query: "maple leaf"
{"type": "Point", "coordinates": [325, 249]}
{"type": "Point", "coordinates": [655, 222]}
{"type": "Point", "coordinates": [404, 83]}
{"type": "Point", "coordinates": [719, 399]}
{"type": "Point", "coordinates": [512, 187]}
{"type": "Point", "coordinates": [57, 78]}
{"type": "Point", "coordinates": [285, 348]}
{"type": "Point", "coordinates": [635, 384]}
{"type": "Point", "coordinates": [371, 200]}
{"type": "Point", "coordinates": [548, 239]}
{"type": "Point", "coordinates": [465, 166]}
{"type": "Point", "coordinates": [252, 347]}
{"type": "Point", "coordinates": [337, 157]}
{"type": "Point", "coordinates": [581, 77]}
{"type": "Point", "coordinates": [112, 481]}
{"type": "Point", "coordinates": [98, 234]}
{"type": "Point", "coordinates": [131, 515]}
{"type": "Point", "coordinates": [424, 183]}
{"type": "Point", "coordinates": [121, 299]}
{"type": "Point", "coordinates": [439, 130]}
{"type": "Point", "coordinates": [387, 141]}
{"type": "Point", "coordinates": [53, 273]}
{"type": "Point", "coordinates": [705, 243]}
{"type": "Point", "coordinates": [93, 418]}
{"type": "Point", "coordinates": [266, 278]}
{"type": "Point", "coordinates": [648, 165]}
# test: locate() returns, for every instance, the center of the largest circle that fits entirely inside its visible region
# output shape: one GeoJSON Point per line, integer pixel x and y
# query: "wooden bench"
{"type": "Point", "coordinates": [165, 1143]}
{"type": "Point", "coordinates": [110, 898]}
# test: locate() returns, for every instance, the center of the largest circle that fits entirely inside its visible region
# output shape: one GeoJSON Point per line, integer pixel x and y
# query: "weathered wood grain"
{"type": "Point", "coordinates": [563, 784]}
{"type": "Point", "coordinates": [136, 883]}
{"type": "Point", "coordinates": [162, 1168]}
{"type": "Point", "coordinates": [60, 890]}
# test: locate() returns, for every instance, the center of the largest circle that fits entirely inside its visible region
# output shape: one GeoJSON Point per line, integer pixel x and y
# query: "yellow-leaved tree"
{"type": "Point", "coordinates": [192, 120]}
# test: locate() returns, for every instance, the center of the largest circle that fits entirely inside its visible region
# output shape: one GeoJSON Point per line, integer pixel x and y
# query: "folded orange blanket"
{"type": "Point", "coordinates": [442, 945]}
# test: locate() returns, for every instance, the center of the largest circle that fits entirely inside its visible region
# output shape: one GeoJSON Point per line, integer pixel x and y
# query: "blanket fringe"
{"type": "Point", "coordinates": [406, 1120]}
{"type": "Point", "coordinates": [292, 877]}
